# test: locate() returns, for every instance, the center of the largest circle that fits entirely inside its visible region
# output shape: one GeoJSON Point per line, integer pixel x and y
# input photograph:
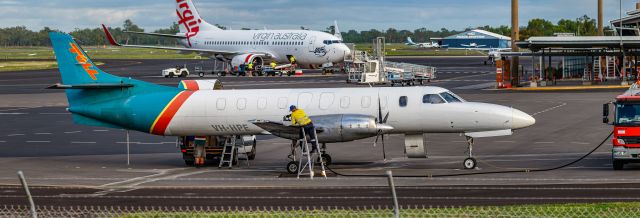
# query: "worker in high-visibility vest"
{"type": "Point", "coordinates": [300, 118]}
{"type": "Point", "coordinates": [250, 69]}
{"type": "Point", "coordinates": [273, 65]}
{"type": "Point", "coordinates": [292, 59]}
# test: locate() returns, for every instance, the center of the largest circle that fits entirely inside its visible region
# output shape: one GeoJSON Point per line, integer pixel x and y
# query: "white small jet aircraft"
{"type": "Point", "coordinates": [98, 98]}
{"type": "Point", "coordinates": [309, 48]}
{"type": "Point", "coordinates": [422, 44]}
{"type": "Point", "coordinates": [473, 45]}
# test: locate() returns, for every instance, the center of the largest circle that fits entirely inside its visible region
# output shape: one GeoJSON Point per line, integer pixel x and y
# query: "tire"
{"type": "Point", "coordinates": [189, 162]}
{"type": "Point", "coordinates": [292, 167]}
{"type": "Point", "coordinates": [469, 163]}
{"type": "Point", "coordinates": [183, 74]}
{"type": "Point", "coordinates": [166, 76]}
{"type": "Point", "coordinates": [326, 158]}
{"type": "Point", "coordinates": [171, 75]}
{"type": "Point", "coordinates": [618, 165]}
{"type": "Point", "coordinates": [201, 74]}
{"type": "Point", "coordinates": [252, 154]}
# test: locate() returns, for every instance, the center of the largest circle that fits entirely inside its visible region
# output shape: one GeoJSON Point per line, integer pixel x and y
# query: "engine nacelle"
{"type": "Point", "coordinates": [246, 59]}
{"type": "Point", "coordinates": [194, 85]}
{"type": "Point", "coordinates": [344, 127]}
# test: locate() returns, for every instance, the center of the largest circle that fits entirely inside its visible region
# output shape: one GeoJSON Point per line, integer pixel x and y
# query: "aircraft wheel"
{"type": "Point", "coordinates": [201, 74]}
{"type": "Point", "coordinates": [171, 75]}
{"type": "Point", "coordinates": [326, 158]}
{"type": "Point", "coordinates": [292, 167]}
{"type": "Point", "coordinates": [469, 163]}
{"type": "Point", "coordinates": [618, 165]}
{"type": "Point", "coordinates": [183, 74]}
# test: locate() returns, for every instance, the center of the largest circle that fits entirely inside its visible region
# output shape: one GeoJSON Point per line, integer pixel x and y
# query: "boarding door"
{"type": "Point", "coordinates": [312, 47]}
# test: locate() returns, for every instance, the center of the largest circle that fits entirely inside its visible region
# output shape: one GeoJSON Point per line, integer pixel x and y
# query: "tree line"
{"type": "Point", "coordinates": [21, 36]}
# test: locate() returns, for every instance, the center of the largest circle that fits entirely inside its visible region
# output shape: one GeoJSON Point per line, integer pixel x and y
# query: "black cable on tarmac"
{"type": "Point", "coordinates": [481, 173]}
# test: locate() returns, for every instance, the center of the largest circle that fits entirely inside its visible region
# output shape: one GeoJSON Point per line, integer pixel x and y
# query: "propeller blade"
{"type": "Point", "coordinates": [379, 110]}
{"type": "Point", "coordinates": [384, 152]}
{"type": "Point", "coordinates": [376, 141]}
{"type": "Point", "coordinates": [385, 118]}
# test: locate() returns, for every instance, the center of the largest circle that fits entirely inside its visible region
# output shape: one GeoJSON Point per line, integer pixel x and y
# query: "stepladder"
{"type": "Point", "coordinates": [228, 155]}
{"type": "Point", "coordinates": [306, 161]}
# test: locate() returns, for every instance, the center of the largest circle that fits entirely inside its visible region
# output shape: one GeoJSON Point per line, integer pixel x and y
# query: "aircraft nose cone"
{"type": "Point", "coordinates": [521, 119]}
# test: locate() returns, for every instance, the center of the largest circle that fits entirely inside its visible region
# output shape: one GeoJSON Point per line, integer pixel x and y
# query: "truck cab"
{"type": "Point", "coordinates": [626, 127]}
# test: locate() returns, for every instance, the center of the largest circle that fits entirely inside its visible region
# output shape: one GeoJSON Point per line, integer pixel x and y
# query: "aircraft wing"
{"type": "Point", "coordinates": [158, 34]}
{"type": "Point", "coordinates": [214, 52]}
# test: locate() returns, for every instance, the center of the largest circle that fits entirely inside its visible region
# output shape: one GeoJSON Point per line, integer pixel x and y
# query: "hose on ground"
{"type": "Point", "coordinates": [482, 173]}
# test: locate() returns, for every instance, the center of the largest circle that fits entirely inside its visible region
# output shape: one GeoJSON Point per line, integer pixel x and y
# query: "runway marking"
{"type": "Point", "coordinates": [14, 113]}
{"type": "Point", "coordinates": [43, 133]}
{"type": "Point", "coordinates": [83, 142]}
{"type": "Point", "coordinates": [16, 109]}
{"type": "Point", "coordinates": [101, 130]}
{"type": "Point", "coordinates": [3, 141]}
{"type": "Point", "coordinates": [549, 109]}
{"type": "Point", "coordinates": [54, 113]}
{"type": "Point", "coordinates": [543, 142]}
{"type": "Point", "coordinates": [71, 132]}
{"type": "Point", "coordinates": [580, 143]}
{"type": "Point", "coordinates": [38, 141]}
{"type": "Point", "coordinates": [17, 134]}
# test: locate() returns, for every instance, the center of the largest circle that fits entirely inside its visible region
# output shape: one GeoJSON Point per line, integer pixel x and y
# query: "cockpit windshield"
{"type": "Point", "coordinates": [329, 42]}
{"type": "Point", "coordinates": [627, 114]}
{"type": "Point", "coordinates": [450, 97]}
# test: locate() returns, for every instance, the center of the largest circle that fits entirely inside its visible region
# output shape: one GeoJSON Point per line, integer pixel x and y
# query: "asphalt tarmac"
{"type": "Point", "coordinates": [70, 165]}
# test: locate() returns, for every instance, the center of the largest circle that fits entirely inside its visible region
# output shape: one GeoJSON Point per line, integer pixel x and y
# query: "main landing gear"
{"type": "Point", "coordinates": [292, 166]}
{"type": "Point", "coordinates": [470, 162]}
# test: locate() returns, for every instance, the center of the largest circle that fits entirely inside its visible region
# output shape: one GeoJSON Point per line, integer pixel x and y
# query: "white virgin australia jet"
{"type": "Point", "coordinates": [340, 114]}
{"type": "Point", "coordinates": [309, 48]}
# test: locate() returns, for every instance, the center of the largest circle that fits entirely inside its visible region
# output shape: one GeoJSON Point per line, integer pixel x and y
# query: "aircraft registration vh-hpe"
{"type": "Point", "coordinates": [97, 98]}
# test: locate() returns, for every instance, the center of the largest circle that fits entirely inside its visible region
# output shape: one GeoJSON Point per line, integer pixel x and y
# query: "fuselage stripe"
{"type": "Point", "coordinates": [191, 85]}
{"type": "Point", "coordinates": [164, 118]}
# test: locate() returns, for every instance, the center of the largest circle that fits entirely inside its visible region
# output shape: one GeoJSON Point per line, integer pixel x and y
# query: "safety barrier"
{"type": "Point", "coordinates": [575, 210]}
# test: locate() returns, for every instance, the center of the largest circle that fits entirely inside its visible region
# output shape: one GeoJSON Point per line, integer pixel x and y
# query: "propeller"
{"type": "Point", "coordinates": [380, 134]}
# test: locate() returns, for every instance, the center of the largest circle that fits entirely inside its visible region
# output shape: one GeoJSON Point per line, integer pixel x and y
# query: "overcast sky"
{"type": "Point", "coordinates": [67, 15]}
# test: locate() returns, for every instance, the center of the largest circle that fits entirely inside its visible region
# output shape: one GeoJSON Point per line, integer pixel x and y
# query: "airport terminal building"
{"type": "Point", "coordinates": [479, 37]}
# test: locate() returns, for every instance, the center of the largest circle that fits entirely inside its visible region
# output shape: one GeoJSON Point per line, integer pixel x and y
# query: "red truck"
{"type": "Point", "coordinates": [626, 127]}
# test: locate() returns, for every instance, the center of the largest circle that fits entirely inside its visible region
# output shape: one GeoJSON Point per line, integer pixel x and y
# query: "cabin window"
{"type": "Point", "coordinates": [221, 103]}
{"type": "Point", "coordinates": [326, 100]}
{"type": "Point", "coordinates": [241, 104]}
{"type": "Point", "coordinates": [366, 102]}
{"type": "Point", "coordinates": [262, 103]}
{"type": "Point", "coordinates": [403, 101]}
{"type": "Point", "coordinates": [449, 97]}
{"type": "Point", "coordinates": [432, 99]}
{"type": "Point", "coordinates": [344, 102]}
{"type": "Point", "coordinates": [282, 103]}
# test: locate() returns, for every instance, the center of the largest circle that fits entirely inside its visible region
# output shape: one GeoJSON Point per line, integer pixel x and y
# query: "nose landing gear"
{"type": "Point", "coordinates": [470, 162]}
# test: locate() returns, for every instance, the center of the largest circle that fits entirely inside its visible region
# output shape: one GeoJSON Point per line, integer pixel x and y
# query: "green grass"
{"type": "Point", "coordinates": [95, 53]}
{"type": "Point", "coordinates": [12, 66]}
{"type": "Point", "coordinates": [400, 49]}
{"type": "Point", "coordinates": [631, 209]}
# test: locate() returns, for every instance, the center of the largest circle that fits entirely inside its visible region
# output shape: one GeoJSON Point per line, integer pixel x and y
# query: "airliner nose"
{"type": "Point", "coordinates": [521, 119]}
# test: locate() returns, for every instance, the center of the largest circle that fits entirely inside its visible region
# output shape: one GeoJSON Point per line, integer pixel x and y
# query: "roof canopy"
{"type": "Point", "coordinates": [477, 34]}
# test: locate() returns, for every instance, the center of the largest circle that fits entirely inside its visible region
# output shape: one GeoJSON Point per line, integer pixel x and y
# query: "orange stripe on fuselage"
{"type": "Point", "coordinates": [162, 121]}
{"type": "Point", "coordinates": [191, 85]}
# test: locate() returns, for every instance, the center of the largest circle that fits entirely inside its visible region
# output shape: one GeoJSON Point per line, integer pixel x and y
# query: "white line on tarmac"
{"type": "Point", "coordinates": [101, 130]}
{"type": "Point", "coordinates": [42, 133]}
{"type": "Point", "coordinates": [504, 141]}
{"type": "Point", "coordinates": [543, 142]}
{"type": "Point", "coordinates": [83, 142]}
{"type": "Point", "coordinates": [14, 113]}
{"type": "Point", "coordinates": [580, 143]}
{"type": "Point", "coordinates": [38, 141]}
{"type": "Point", "coordinates": [3, 141]}
{"type": "Point", "coordinates": [54, 113]}
{"type": "Point", "coordinates": [17, 134]}
{"type": "Point", "coordinates": [71, 132]}
{"type": "Point", "coordinates": [549, 109]}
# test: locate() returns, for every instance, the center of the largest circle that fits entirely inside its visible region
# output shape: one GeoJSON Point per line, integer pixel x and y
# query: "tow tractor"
{"type": "Point", "coordinates": [626, 127]}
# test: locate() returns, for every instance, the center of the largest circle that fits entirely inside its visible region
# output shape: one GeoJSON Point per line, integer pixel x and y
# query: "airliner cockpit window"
{"type": "Point", "coordinates": [432, 99]}
{"type": "Point", "coordinates": [449, 97]}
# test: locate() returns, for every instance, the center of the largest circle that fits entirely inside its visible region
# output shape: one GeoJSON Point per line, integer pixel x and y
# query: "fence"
{"type": "Point", "coordinates": [377, 211]}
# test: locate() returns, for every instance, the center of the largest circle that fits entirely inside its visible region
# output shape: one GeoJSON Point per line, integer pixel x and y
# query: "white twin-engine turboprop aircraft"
{"type": "Point", "coordinates": [309, 48]}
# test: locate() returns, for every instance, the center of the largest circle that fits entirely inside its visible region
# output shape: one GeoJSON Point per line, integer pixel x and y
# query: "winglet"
{"type": "Point", "coordinates": [109, 36]}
